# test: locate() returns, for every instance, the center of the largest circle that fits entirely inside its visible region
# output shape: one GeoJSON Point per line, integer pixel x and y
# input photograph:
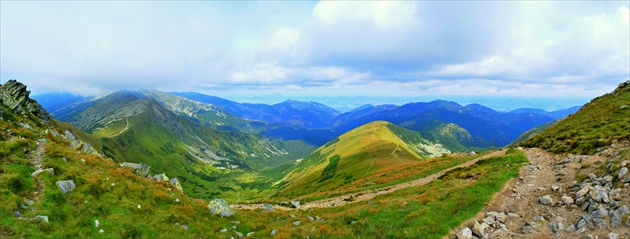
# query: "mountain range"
{"type": "Point", "coordinates": [77, 179]}
{"type": "Point", "coordinates": [207, 141]}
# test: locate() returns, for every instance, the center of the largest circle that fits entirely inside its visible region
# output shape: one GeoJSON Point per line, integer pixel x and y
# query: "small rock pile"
{"type": "Point", "coordinates": [599, 200]}
{"type": "Point", "coordinates": [492, 224]}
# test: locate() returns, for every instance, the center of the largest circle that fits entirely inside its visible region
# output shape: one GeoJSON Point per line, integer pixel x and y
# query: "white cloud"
{"type": "Point", "coordinates": [595, 44]}
{"type": "Point", "coordinates": [384, 15]}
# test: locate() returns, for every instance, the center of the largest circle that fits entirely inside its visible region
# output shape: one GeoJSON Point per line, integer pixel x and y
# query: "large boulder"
{"type": "Point", "coordinates": [66, 186]}
{"type": "Point", "coordinates": [138, 168]}
{"type": "Point", "coordinates": [219, 206]}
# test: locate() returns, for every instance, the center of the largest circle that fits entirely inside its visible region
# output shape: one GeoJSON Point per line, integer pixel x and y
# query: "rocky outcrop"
{"type": "Point", "coordinates": [78, 144]}
{"type": "Point", "coordinates": [14, 95]}
{"type": "Point", "coordinates": [138, 168]}
{"type": "Point", "coordinates": [220, 207]}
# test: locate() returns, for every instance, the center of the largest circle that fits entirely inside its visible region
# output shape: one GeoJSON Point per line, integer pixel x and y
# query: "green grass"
{"type": "Point", "coordinates": [431, 210]}
{"type": "Point", "coordinates": [376, 154]}
{"type": "Point", "coordinates": [596, 125]}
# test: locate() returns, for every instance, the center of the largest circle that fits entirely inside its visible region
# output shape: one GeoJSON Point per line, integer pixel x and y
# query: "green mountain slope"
{"type": "Point", "coordinates": [597, 124]}
{"type": "Point", "coordinates": [108, 201]}
{"type": "Point", "coordinates": [358, 157]}
{"type": "Point", "coordinates": [134, 128]}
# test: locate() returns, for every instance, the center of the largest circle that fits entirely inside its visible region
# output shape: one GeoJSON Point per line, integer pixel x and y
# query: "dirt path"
{"type": "Point", "coordinates": [123, 130]}
{"type": "Point", "coordinates": [36, 160]}
{"type": "Point", "coordinates": [545, 172]}
{"type": "Point", "coordinates": [369, 194]}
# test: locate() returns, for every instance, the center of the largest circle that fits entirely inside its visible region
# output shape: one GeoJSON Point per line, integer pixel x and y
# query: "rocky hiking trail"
{"type": "Point", "coordinates": [368, 194]}
{"type": "Point", "coordinates": [546, 201]}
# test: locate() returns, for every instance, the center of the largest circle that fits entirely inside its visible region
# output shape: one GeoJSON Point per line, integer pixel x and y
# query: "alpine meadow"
{"type": "Point", "coordinates": [314, 119]}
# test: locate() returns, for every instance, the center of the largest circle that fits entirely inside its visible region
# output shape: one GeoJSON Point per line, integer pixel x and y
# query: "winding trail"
{"type": "Point", "coordinates": [123, 130]}
{"type": "Point", "coordinates": [369, 194]}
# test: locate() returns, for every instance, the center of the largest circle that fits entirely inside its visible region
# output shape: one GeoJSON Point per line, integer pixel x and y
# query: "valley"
{"type": "Point", "coordinates": [427, 177]}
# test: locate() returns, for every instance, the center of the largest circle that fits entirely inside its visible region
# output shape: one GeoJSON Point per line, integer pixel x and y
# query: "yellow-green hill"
{"type": "Point", "coordinates": [363, 156]}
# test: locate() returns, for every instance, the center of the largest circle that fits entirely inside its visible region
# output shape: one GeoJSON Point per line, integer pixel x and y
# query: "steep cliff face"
{"type": "Point", "coordinates": [14, 95]}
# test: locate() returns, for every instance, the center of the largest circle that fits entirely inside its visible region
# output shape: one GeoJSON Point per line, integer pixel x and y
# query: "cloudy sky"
{"type": "Point", "coordinates": [553, 53]}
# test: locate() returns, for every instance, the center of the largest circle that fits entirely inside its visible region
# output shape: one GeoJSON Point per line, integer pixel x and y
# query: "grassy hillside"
{"type": "Point", "coordinates": [209, 162]}
{"type": "Point", "coordinates": [428, 211]}
{"type": "Point", "coordinates": [125, 204]}
{"type": "Point", "coordinates": [597, 124]}
{"type": "Point", "coordinates": [363, 155]}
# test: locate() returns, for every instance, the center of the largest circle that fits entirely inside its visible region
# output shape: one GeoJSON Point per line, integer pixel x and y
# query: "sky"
{"type": "Point", "coordinates": [509, 54]}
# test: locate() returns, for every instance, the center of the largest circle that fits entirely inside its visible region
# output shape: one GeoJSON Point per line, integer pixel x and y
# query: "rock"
{"type": "Point", "coordinates": [501, 217]}
{"type": "Point", "coordinates": [489, 220]}
{"type": "Point", "coordinates": [553, 226]}
{"type": "Point", "coordinates": [50, 171]}
{"type": "Point", "coordinates": [239, 235]}
{"type": "Point", "coordinates": [479, 229]}
{"type": "Point", "coordinates": [513, 215]}
{"type": "Point", "coordinates": [582, 192]}
{"type": "Point", "coordinates": [608, 178]}
{"type": "Point", "coordinates": [17, 213]}
{"type": "Point", "coordinates": [219, 206]}
{"type": "Point", "coordinates": [622, 172]}
{"type": "Point", "coordinates": [603, 195]}
{"type": "Point", "coordinates": [626, 180]}
{"type": "Point", "coordinates": [566, 200]}
{"type": "Point", "coordinates": [176, 184]}
{"type": "Point", "coordinates": [615, 194]}
{"type": "Point", "coordinates": [587, 236]}
{"type": "Point", "coordinates": [600, 213]}
{"type": "Point", "coordinates": [311, 218]}
{"type": "Point", "coordinates": [592, 176]}
{"type": "Point", "coordinates": [223, 230]}
{"type": "Point", "coordinates": [295, 203]}
{"type": "Point", "coordinates": [612, 236]}
{"type": "Point", "coordinates": [599, 222]}
{"type": "Point", "coordinates": [616, 219]}
{"type": "Point", "coordinates": [274, 232]}
{"type": "Point", "coordinates": [185, 226]}
{"type": "Point", "coordinates": [560, 226]}
{"type": "Point", "coordinates": [14, 95]}
{"type": "Point", "coordinates": [545, 200]}
{"type": "Point", "coordinates": [465, 233]}
{"type": "Point", "coordinates": [96, 223]}
{"type": "Point", "coordinates": [491, 214]}
{"type": "Point", "coordinates": [353, 222]}
{"type": "Point", "coordinates": [250, 234]}
{"type": "Point", "coordinates": [101, 231]}
{"type": "Point", "coordinates": [555, 187]}
{"type": "Point", "coordinates": [581, 224]}
{"type": "Point", "coordinates": [161, 177]}
{"type": "Point", "coordinates": [528, 229]}
{"type": "Point", "coordinates": [138, 168]}
{"type": "Point", "coordinates": [41, 219]}
{"type": "Point", "coordinates": [297, 223]}
{"type": "Point", "coordinates": [625, 163]}
{"type": "Point", "coordinates": [66, 186]}
{"type": "Point", "coordinates": [570, 228]}
{"type": "Point", "coordinates": [268, 208]}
